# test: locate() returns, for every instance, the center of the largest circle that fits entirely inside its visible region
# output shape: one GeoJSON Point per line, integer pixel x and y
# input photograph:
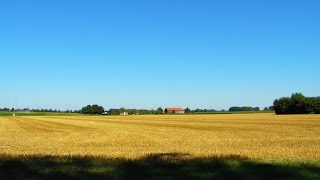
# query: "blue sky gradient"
{"type": "Point", "coordinates": [145, 54]}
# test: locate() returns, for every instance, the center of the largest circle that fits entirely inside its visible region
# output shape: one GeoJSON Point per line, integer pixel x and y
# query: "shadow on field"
{"type": "Point", "coordinates": [157, 166]}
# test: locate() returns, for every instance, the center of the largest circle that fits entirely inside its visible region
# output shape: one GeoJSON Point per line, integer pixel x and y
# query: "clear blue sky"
{"type": "Point", "coordinates": [145, 54]}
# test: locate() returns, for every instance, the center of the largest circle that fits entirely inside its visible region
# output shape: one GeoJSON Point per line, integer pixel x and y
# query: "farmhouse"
{"type": "Point", "coordinates": [124, 113]}
{"type": "Point", "coordinates": [121, 112]}
{"type": "Point", "coordinates": [174, 110]}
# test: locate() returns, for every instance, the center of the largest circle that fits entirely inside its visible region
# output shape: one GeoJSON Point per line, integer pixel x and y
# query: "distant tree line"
{"type": "Point", "coordinates": [54, 110]}
{"type": "Point", "coordinates": [135, 111]}
{"type": "Point", "coordinates": [5, 109]}
{"type": "Point", "coordinates": [37, 110]}
{"type": "Point", "coordinates": [96, 109]}
{"type": "Point", "coordinates": [200, 110]}
{"type": "Point", "coordinates": [244, 108]}
{"type": "Point", "coordinates": [297, 104]}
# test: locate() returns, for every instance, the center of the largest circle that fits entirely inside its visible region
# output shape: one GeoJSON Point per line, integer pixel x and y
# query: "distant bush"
{"type": "Point", "coordinates": [297, 104]}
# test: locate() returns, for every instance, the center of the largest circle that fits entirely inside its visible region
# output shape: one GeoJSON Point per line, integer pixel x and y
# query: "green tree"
{"type": "Point", "coordinates": [97, 109]}
{"type": "Point", "coordinates": [187, 110]}
{"type": "Point", "coordinates": [281, 106]}
{"type": "Point", "coordinates": [92, 109]}
{"type": "Point", "coordinates": [86, 110]}
{"type": "Point", "coordinates": [122, 110]}
{"type": "Point", "coordinates": [297, 104]}
{"type": "Point", "coordinates": [159, 110]}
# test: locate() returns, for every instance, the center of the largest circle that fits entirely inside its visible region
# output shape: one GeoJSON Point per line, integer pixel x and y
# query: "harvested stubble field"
{"type": "Point", "coordinates": [264, 138]}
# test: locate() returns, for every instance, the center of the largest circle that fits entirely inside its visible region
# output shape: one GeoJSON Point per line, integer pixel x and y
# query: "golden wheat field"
{"type": "Point", "coordinates": [258, 136]}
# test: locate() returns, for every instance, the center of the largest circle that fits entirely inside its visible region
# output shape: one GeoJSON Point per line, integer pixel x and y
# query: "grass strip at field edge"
{"type": "Point", "coordinates": [169, 166]}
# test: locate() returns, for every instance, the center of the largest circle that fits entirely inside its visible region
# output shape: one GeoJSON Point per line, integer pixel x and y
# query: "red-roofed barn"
{"type": "Point", "coordinates": [174, 110]}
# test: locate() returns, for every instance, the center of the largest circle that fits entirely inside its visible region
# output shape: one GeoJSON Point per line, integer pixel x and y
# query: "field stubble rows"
{"type": "Point", "coordinates": [258, 136]}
